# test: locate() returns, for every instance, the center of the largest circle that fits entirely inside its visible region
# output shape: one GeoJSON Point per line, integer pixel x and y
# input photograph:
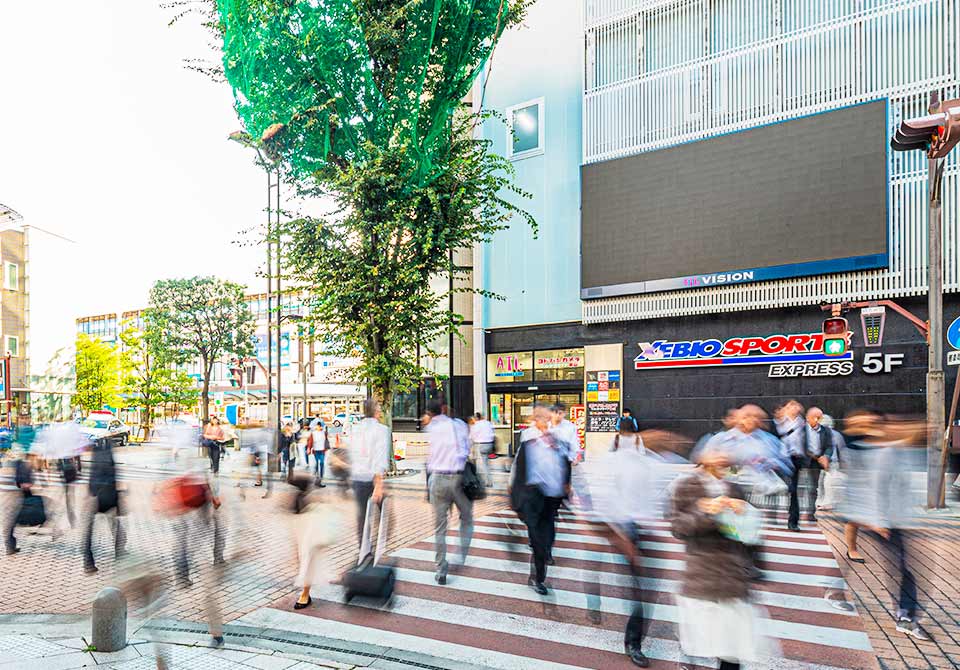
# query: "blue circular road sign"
{"type": "Point", "coordinates": [953, 334]}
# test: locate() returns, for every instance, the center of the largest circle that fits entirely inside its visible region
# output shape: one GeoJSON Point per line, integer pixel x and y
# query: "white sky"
{"type": "Point", "coordinates": [108, 140]}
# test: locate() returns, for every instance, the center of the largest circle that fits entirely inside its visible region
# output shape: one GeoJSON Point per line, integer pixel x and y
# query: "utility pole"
{"type": "Point", "coordinates": [935, 381]}
{"type": "Point", "coordinates": [936, 134]}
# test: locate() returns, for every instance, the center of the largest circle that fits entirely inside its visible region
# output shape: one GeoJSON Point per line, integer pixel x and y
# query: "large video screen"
{"type": "Point", "coordinates": [802, 197]}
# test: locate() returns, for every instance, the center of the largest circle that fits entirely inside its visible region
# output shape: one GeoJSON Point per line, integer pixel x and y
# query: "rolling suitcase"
{"type": "Point", "coordinates": [371, 578]}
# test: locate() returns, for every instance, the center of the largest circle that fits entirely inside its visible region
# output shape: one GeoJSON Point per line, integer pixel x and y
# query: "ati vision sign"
{"type": "Point", "coordinates": [797, 355]}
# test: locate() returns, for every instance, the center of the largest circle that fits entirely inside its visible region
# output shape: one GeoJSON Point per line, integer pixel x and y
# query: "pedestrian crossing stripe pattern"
{"type": "Point", "coordinates": [486, 615]}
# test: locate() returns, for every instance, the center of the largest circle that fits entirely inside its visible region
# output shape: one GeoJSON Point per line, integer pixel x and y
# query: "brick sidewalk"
{"type": "Point", "coordinates": [934, 556]}
{"type": "Point", "coordinates": [47, 576]}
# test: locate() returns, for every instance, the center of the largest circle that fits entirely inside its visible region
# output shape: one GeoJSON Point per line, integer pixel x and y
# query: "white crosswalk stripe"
{"type": "Point", "coordinates": [487, 608]}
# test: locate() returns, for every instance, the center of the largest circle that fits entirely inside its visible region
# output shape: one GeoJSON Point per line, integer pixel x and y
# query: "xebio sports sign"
{"type": "Point", "coordinates": [799, 355]}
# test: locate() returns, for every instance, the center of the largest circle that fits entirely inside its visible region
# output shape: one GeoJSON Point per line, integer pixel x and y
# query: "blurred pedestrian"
{"type": "Point", "coordinates": [302, 440]}
{"type": "Point", "coordinates": [61, 444]}
{"type": "Point", "coordinates": [483, 438]}
{"type": "Point", "coordinates": [449, 449]}
{"type": "Point", "coordinates": [626, 499]}
{"type": "Point", "coordinates": [626, 416]}
{"type": "Point", "coordinates": [541, 480]}
{"type": "Point", "coordinates": [369, 447]}
{"type": "Point", "coordinates": [288, 450]}
{"type": "Point", "coordinates": [23, 479]}
{"type": "Point", "coordinates": [710, 514]}
{"type": "Point", "coordinates": [229, 439]}
{"type": "Point", "coordinates": [758, 454]}
{"type": "Point", "coordinates": [318, 445]}
{"type": "Point", "coordinates": [104, 499]}
{"type": "Point", "coordinates": [791, 428]}
{"type": "Point", "coordinates": [822, 444]}
{"type": "Point", "coordinates": [881, 454]}
{"type": "Point", "coordinates": [213, 441]}
{"type": "Point", "coordinates": [315, 529]}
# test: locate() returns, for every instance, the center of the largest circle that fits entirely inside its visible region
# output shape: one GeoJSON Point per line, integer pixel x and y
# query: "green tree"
{"type": "Point", "coordinates": [199, 319]}
{"type": "Point", "coordinates": [146, 371]}
{"type": "Point", "coordinates": [362, 101]}
{"type": "Point", "coordinates": [98, 374]}
{"type": "Point", "coordinates": [180, 391]}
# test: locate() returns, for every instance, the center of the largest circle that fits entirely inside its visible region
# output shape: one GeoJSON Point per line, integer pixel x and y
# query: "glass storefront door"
{"type": "Point", "coordinates": [510, 414]}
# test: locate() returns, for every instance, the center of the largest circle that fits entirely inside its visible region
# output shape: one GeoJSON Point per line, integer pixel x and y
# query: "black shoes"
{"type": "Point", "coordinates": [90, 569]}
{"type": "Point", "coordinates": [12, 550]}
{"type": "Point", "coordinates": [537, 586]}
{"type": "Point", "coordinates": [793, 528]}
{"type": "Point", "coordinates": [637, 657]}
{"type": "Point", "coordinates": [441, 578]}
{"type": "Point", "coordinates": [299, 605]}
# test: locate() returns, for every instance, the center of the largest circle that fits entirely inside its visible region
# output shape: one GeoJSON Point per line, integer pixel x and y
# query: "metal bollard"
{"type": "Point", "coordinates": [109, 620]}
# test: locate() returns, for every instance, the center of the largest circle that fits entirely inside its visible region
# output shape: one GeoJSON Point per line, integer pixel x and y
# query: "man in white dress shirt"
{"type": "Point", "coordinates": [483, 439]}
{"type": "Point", "coordinates": [369, 447]}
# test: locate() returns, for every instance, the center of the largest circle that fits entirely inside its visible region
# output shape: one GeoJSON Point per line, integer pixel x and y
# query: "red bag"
{"type": "Point", "coordinates": [181, 494]}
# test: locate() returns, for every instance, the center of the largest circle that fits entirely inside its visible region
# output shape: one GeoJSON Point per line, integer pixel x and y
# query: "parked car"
{"type": "Point", "coordinates": [105, 425]}
{"type": "Point", "coordinates": [345, 419]}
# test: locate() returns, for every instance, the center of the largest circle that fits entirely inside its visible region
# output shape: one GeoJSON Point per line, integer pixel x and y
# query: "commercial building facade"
{"type": "Point", "coordinates": [607, 82]}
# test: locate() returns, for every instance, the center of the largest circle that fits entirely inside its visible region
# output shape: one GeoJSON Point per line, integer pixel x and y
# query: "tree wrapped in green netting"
{"type": "Point", "coordinates": [363, 101]}
{"type": "Point", "coordinates": [348, 77]}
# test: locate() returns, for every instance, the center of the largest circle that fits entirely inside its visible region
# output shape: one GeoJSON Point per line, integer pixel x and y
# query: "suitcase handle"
{"type": "Point", "coordinates": [381, 534]}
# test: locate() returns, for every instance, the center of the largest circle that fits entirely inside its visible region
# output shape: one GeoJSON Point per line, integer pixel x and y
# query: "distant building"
{"type": "Point", "coordinates": [309, 376]}
{"type": "Point", "coordinates": [15, 314]}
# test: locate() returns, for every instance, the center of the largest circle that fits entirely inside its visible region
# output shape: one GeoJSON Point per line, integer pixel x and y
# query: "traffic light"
{"type": "Point", "coordinates": [936, 133]}
{"type": "Point", "coordinates": [835, 336]}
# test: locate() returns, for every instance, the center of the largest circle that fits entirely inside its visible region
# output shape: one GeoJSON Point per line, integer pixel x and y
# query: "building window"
{"type": "Point", "coordinates": [13, 345]}
{"type": "Point", "coordinates": [525, 126]}
{"type": "Point", "coordinates": [11, 278]}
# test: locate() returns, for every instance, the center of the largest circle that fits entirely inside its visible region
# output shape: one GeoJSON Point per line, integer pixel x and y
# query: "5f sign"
{"type": "Point", "coordinates": [876, 363]}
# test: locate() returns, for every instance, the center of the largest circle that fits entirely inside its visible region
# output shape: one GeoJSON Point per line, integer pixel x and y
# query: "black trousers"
{"type": "Point", "coordinates": [362, 492]}
{"type": "Point", "coordinates": [213, 448]}
{"type": "Point", "coordinates": [633, 635]}
{"type": "Point", "coordinates": [801, 465]}
{"type": "Point", "coordinates": [118, 538]}
{"type": "Point", "coordinates": [540, 516]}
{"type": "Point", "coordinates": [907, 600]}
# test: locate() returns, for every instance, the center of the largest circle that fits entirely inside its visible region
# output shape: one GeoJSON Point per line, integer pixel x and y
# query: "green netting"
{"type": "Point", "coordinates": [346, 78]}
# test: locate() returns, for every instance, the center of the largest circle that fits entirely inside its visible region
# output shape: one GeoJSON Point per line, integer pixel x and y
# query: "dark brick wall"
{"type": "Point", "coordinates": [693, 401]}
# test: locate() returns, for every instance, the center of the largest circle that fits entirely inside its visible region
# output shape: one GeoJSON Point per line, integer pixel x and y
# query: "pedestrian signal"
{"type": "Point", "coordinates": [872, 319]}
{"type": "Point", "coordinates": [835, 336]}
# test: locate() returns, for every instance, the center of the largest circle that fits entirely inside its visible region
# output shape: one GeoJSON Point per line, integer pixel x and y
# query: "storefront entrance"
{"type": "Point", "coordinates": [510, 413]}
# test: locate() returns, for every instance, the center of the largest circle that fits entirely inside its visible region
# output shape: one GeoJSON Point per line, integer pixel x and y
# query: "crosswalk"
{"type": "Point", "coordinates": [487, 616]}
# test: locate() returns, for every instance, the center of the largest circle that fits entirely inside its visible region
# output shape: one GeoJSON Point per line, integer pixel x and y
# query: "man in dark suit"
{"type": "Point", "coordinates": [819, 443]}
{"type": "Point", "coordinates": [541, 481]}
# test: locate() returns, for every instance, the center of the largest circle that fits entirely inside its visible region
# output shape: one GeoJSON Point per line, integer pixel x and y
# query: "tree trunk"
{"type": "Point", "coordinates": [205, 393]}
{"type": "Point", "coordinates": [384, 395]}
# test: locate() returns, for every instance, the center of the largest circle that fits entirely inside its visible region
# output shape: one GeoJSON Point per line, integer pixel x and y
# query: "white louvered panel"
{"type": "Point", "coordinates": [706, 67]}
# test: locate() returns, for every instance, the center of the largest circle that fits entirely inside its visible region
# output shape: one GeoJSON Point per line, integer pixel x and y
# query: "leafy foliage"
{"type": "Point", "coordinates": [98, 374]}
{"type": "Point", "coordinates": [200, 318]}
{"type": "Point", "coordinates": [362, 101]}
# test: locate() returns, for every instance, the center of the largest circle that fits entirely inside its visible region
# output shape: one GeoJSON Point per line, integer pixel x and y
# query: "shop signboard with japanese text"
{"type": "Point", "coordinates": [578, 417]}
{"type": "Point", "coordinates": [510, 367]}
{"type": "Point", "coordinates": [603, 401]}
